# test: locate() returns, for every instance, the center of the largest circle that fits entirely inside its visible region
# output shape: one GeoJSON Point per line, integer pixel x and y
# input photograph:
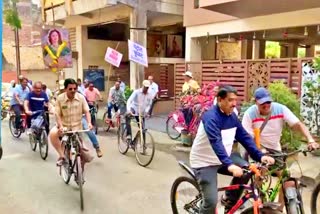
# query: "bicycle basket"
{"type": "Point", "coordinates": [37, 123]}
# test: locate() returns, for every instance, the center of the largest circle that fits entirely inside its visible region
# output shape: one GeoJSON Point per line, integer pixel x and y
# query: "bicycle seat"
{"type": "Point", "coordinates": [184, 166]}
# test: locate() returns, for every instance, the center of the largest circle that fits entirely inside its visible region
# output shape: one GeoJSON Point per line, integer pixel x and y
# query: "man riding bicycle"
{"type": "Point", "coordinates": [116, 99]}
{"type": "Point", "coordinates": [92, 94]}
{"type": "Point", "coordinates": [19, 95]}
{"type": "Point", "coordinates": [211, 151]}
{"type": "Point", "coordinates": [36, 100]}
{"type": "Point", "coordinates": [69, 108]}
{"type": "Point", "coordinates": [139, 103]}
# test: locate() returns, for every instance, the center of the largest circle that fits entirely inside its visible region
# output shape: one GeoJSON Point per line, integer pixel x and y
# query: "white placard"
{"type": "Point", "coordinates": [113, 57]}
{"type": "Point", "coordinates": [138, 53]}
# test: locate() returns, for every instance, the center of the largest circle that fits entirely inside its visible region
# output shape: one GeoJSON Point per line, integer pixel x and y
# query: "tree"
{"type": "Point", "coordinates": [11, 17]}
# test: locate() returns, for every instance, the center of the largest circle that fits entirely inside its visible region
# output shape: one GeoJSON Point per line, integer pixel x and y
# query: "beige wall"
{"type": "Point", "coordinates": [200, 16]}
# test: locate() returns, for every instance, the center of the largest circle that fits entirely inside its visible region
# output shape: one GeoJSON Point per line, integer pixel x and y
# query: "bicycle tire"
{"type": "Point", "coordinates": [106, 126]}
{"type": "Point", "coordinates": [66, 166]}
{"type": "Point", "coordinates": [123, 145]}
{"type": "Point", "coordinates": [315, 197]}
{"type": "Point", "coordinates": [173, 137]}
{"type": "Point", "coordinates": [138, 150]}
{"type": "Point", "coordinates": [174, 194]}
{"type": "Point", "coordinates": [263, 210]}
{"type": "Point", "coordinates": [43, 144]}
{"type": "Point", "coordinates": [80, 180]}
{"type": "Point", "coordinates": [292, 206]}
{"type": "Point", "coordinates": [11, 127]}
{"type": "Point", "coordinates": [33, 142]}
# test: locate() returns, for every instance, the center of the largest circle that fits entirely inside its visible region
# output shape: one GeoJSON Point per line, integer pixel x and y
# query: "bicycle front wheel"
{"type": "Point", "coordinates": [185, 196]}
{"type": "Point", "coordinates": [106, 125]}
{"type": "Point", "coordinates": [65, 169]}
{"type": "Point", "coordinates": [33, 142]}
{"type": "Point", "coordinates": [315, 200]}
{"type": "Point", "coordinates": [43, 144]}
{"type": "Point", "coordinates": [123, 145]}
{"type": "Point", "coordinates": [144, 149]}
{"type": "Point", "coordinates": [172, 128]}
{"type": "Point", "coordinates": [80, 180]}
{"type": "Point", "coordinates": [15, 133]}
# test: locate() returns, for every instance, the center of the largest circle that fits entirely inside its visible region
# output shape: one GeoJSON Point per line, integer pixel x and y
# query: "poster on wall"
{"type": "Point", "coordinates": [174, 46]}
{"type": "Point", "coordinates": [96, 76]}
{"type": "Point", "coordinates": [56, 48]}
{"type": "Point", "coordinates": [113, 57]}
{"type": "Point", "coordinates": [138, 53]}
{"type": "Point", "coordinates": [156, 45]}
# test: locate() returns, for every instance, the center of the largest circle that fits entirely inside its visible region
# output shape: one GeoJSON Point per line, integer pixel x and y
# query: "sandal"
{"type": "Point", "coordinates": [60, 161]}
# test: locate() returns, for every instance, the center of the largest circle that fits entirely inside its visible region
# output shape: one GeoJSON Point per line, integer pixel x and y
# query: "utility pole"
{"type": "Point", "coordinates": [17, 42]}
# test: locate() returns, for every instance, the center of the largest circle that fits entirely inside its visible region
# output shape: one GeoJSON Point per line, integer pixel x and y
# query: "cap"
{"type": "Point", "coordinates": [61, 84]}
{"type": "Point", "coordinates": [146, 83]}
{"type": "Point", "coordinates": [188, 73]}
{"type": "Point", "coordinates": [20, 77]}
{"type": "Point", "coordinates": [12, 81]}
{"type": "Point", "coordinates": [262, 95]}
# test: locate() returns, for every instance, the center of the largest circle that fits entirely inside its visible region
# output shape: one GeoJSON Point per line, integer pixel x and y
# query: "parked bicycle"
{"type": "Point", "coordinates": [73, 160]}
{"type": "Point", "coordinates": [315, 200]}
{"type": "Point", "coordinates": [291, 187]}
{"type": "Point", "coordinates": [17, 131]}
{"type": "Point", "coordinates": [192, 191]}
{"type": "Point", "coordinates": [38, 134]}
{"type": "Point", "coordinates": [144, 149]}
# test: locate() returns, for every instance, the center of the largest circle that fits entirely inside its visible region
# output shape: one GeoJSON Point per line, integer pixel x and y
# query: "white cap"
{"type": "Point", "coordinates": [61, 84]}
{"type": "Point", "coordinates": [146, 83]}
{"type": "Point", "coordinates": [12, 81]}
{"type": "Point", "coordinates": [188, 73]}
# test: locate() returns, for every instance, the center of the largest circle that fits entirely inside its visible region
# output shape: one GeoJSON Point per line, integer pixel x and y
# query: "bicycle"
{"type": "Point", "coordinates": [140, 147]}
{"type": "Point", "coordinates": [315, 199]}
{"type": "Point", "coordinates": [192, 205]}
{"type": "Point", "coordinates": [114, 122]}
{"type": "Point", "coordinates": [291, 187]}
{"type": "Point", "coordinates": [16, 132]}
{"type": "Point", "coordinates": [73, 160]}
{"type": "Point", "coordinates": [94, 113]}
{"type": "Point", "coordinates": [38, 134]}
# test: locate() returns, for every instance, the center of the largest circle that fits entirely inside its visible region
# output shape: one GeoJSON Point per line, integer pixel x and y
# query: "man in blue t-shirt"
{"type": "Point", "coordinates": [35, 101]}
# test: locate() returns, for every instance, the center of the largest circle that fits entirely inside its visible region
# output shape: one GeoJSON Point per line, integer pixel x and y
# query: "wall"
{"type": "Point", "coordinates": [45, 76]}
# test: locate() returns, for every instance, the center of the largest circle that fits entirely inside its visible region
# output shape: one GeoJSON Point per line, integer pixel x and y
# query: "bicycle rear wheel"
{"type": "Point", "coordinates": [65, 169]}
{"type": "Point", "coordinates": [123, 145]}
{"type": "Point", "coordinates": [188, 189]}
{"type": "Point", "coordinates": [315, 200]}
{"type": "Point", "coordinates": [15, 133]}
{"type": "Point", "coordinates": [144, 149]}
{"type": "Point", "coordinates": [33, 142]}
{"type": "Point", "coordinates": [80, 180]}
{"type": "Point", "coordinates": [171, 128]}
{"type": "Point", "coordinates": [43, 144]}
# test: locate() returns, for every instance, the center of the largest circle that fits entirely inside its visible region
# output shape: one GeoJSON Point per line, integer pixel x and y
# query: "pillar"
{"type": "Point", "coordinates": [138, 19]}
{"type": "Point", "coordinates": [246, 49]}
{"type": "Point", "coordinates": [310, 51]}
{"type": "Point", "coordinates": [293, 50]}
{"type": "Point", "coordinates": [80, 34]}
{"type": "Point", "coordinates": [258, 49]}
{"type": "Point", "coordinates": [193, 49]}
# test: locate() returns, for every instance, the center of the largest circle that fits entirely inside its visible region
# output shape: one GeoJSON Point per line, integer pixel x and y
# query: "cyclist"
{"type": "Point", "coordinates": [36, 100]}
{"type": "Point", "coordinates": [138, 103]}
{"type": "Point", "coordinates": [211, 150]}
{"type": "Point", "coordinates": [92, 94]}
{"type": "Point", "coordinates": [81, 87]}
{"type": "Point", "coordinates": [69, 108]}
{"type": "Point", "coordinates": [276, 114]}
{"type": "Point", "coordinates": [116, 99]}
{"type": "Point", "coordinates": [19, 95]}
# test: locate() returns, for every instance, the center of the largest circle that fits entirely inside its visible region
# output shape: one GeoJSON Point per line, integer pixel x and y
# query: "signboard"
{"type": "Point", "coordinates": [96, 76]}
{"type": "Point", "coordinates": [138, 53]}
{"type": "Point", "coordinates": [113, 57]}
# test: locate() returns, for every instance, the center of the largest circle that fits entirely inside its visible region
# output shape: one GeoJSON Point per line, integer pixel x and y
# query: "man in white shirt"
{"type": "Point", "coordinates": [139, 103]}
{"type": "Point", "coordinates": [154, 91]}
{"type": "Point", "coordinates": [277, 113]}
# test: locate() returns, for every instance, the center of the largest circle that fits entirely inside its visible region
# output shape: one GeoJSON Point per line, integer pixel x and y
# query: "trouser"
{"type": "Point", "coordinates": [17, 111]}
{"type": "Point", "coordinates": [152, 105]}
{"type": "Point", "coordinates": [110, 107]}
{"type": "Point", "coordinates": [188, 114]}
{"type": "Point", "coordinates": [207, 180]}
{"type": "Point", "coordinates": [128, 125]}
{"type": "Point", "coordinates": [93, 138]}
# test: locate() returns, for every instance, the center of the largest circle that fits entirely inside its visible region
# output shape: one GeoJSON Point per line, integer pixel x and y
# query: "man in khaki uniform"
{"type": "Point", "coordinates": [69, 108]}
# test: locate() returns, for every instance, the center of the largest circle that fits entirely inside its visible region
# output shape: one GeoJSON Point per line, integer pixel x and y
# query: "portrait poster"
{"type": "Point", "coordinates": [156, 45]}
{"type": "Point", "coordinates": [174, 46]}
{"type": "Point", "coordinates": [56, 48]}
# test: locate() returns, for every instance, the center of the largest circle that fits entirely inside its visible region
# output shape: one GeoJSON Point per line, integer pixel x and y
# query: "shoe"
{"type": "Point", "coordinates": [99, 153]}
{"type": "Point", "coordinates": [60, 161]}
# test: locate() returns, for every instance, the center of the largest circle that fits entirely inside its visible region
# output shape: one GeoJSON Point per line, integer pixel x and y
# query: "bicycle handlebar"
{"type": "Point", "coordinates": [285, 155]}
{"type": "Point", "coordinates": [65, 131]}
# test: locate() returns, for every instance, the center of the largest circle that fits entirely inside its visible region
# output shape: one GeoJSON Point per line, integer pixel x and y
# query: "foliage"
{"type": "Point", "coordinates": [301, 52]}
{"type": "Point", "coordinates": [272, 50]}
{"type": "Point", "coordinates": [282, 94]}
{"type": "Point", "coordinates": [127, 92]}
{"type": "Point", "coordinates": [11, 15]}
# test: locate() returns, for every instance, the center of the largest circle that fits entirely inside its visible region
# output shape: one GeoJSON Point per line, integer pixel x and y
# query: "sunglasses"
{"type": "Point", "coordinates": [72, 89]}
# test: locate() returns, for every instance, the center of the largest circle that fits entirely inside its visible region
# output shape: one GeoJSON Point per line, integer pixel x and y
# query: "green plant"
{"type": "Point", "coordinates": [127, 92]}
{"type": "Point", "coordinates": [11, 15]}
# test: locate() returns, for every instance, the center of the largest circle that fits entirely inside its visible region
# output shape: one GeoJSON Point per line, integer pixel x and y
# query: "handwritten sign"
{"type": "Point", "coordinates": [138, 53]}
{"type": "Point", "coordinates": [113, 57]}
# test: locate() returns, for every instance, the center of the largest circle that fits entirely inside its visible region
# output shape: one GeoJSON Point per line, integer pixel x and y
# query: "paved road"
{"type": "Point", "coordinates": [114, 184]}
